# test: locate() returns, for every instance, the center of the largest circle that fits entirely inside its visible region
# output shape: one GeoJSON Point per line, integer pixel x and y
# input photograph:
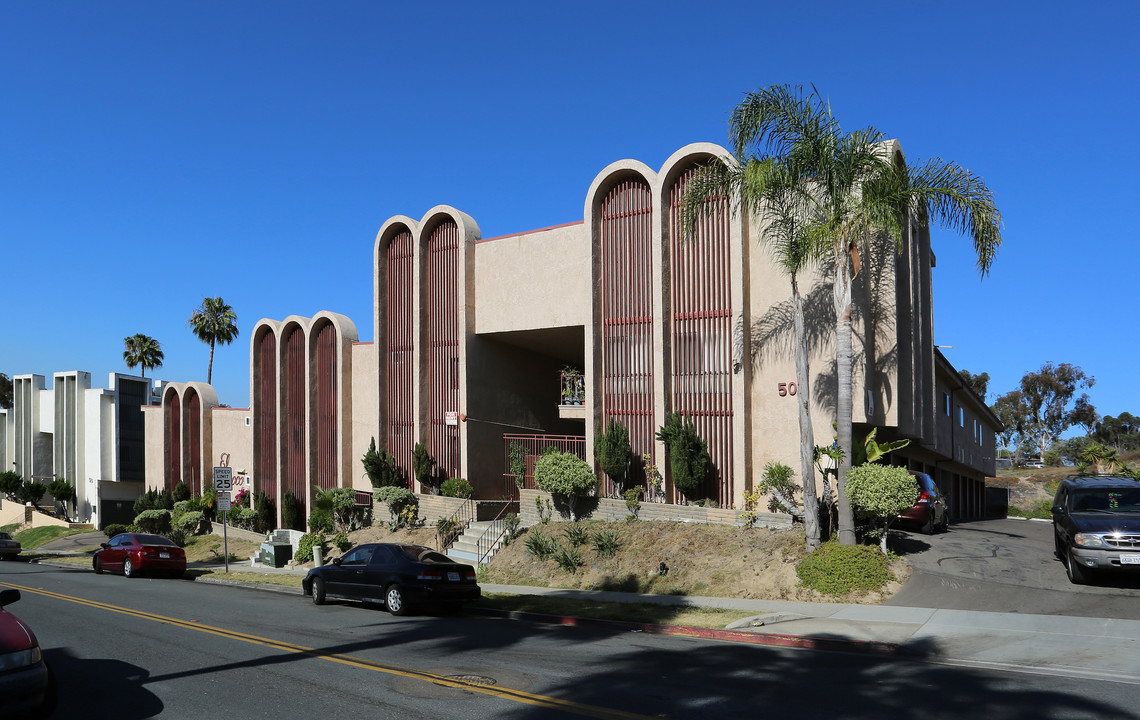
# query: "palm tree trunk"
{"type": "Point", "coordinates": [807, 436]}
{"type": "Point", "coordinates": [210, 368]}
{"type": "Point", "coordinates": [843, 403]}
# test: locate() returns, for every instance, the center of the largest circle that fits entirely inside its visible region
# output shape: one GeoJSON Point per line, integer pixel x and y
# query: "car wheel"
{"type": "Point", "coordinates": [945, 526]}
{"type": "Point", "coordinates": [318, 591]}
{"type": "Point", "coordinates": [1078, 575]}
{"type": "Point", "coordinates": [928, 527]}
{"type": "Point", "coordinates": [128, 568]}
{"type": "Point", "coordinates": [97, 565]}
{"type": "Point", "coordinates": [51, 696]}
{"type": "Point", "coordinates": [394, 600]}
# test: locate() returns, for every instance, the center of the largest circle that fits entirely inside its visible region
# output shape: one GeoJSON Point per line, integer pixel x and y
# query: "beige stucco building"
{"type": "Point", "coordinates": [471, 336]}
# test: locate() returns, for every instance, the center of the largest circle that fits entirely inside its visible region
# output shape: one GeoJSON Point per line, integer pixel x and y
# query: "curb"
{"type": "Point", "coordinates": [772, 639]}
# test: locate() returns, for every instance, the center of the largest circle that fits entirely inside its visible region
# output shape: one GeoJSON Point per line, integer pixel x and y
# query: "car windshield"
{"type": "Point", "coordinates": [1107, 500]}
{"type": "Point", "coordinates": [153, 540]}
{"type": "Point", "coordinates": [5, 536]}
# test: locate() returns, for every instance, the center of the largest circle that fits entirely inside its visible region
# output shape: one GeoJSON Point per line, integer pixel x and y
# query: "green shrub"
{"type": "Point", "coordinates": [565, 475]}
{"type": "Point", "coordinates": [114, 529]}
{"type": "Point", "coordinates": [879, 493]}
{"type": "Point", "coordinates": [1041, 510]}
{"type": "Point", "coordinates": [538, 545]}
{"type": "Point", "coordinates": [181, 491]}
{"type": "Point", "coordinates": [835, 569]}
{"type": "Point", "coordinates": [192, 523]}
{"type": "Point", "coordinates": [320, 521]}
{"type": "Point", "coordinates": [577, 535]}
{"type": "Point", "coordinates": [606, 543]}
{"type": "Point", "coordinates": [544, 508]}
{"type": "Point", "coordinates": [342, 542]}
{"type": "Point", "coordinates": [568, 558]}
{"type": "Point", "coordinates": [154, 500]}
{"type": "Point", "coordinates": [381, 468]}
{"type": "Point", "coordinates": [156, 522]}
{"type": "Point", "coordinates": [292, 511]}
{"type": "Point", "coordinates": [423, 465]}
{"type": "Point", "coordinates": [778, 482]}
{"type": "Point", "coordinates": [178, 537]}
{"type": "Point", "coordinates": [266, 512]}
{"type": "Point", "coordinates": [632, 502]}
{"type": "Point", "coordinates": [512, 522]}
{"type": "Point", "coordinates": [688, 455]}
{"type": "Point", "coordinates": [444, 527]}
{"type": "Point", "coordinates": [456, 488]}
{"type": "Point", "coordinates": [613, 452]}
{"type": "Point", "coordinates": [398, 499]}
{"type": "Point", "coordinates": [307, 543]}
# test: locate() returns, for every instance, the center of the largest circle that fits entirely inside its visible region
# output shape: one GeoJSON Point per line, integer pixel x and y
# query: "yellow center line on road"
{"type": "Point", "coordinates": [504, 693]}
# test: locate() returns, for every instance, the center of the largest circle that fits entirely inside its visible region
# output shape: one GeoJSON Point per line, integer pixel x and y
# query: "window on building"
{"type": "Point", "coordinates": [961, 417]}
{"type": "Point", "coordinates": [946, 404]}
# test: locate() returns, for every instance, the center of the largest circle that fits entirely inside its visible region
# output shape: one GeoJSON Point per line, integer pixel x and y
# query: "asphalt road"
{"type": "Point", "coordinates": [128, 649]}
{"type": "Point", "coordinates": [1006, 566]}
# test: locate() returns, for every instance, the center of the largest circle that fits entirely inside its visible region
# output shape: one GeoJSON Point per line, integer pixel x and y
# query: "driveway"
{"type": "Point", "coordinates": [1005, 566]}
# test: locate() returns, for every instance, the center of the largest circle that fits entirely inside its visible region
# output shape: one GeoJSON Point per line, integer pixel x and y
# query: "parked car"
{"type": "Point", "coordinates": [398, 576]}
{"type": "Point", "coordinates": [27, 687]}
{"type": "Point", "coordinates": [9, 546]}
{"type": "Point", "coordinates": [931, 512]}
{"type": "Point", "coordinates": [138, 553]}
{"type": "Point", "coordinates": [1096, 525]}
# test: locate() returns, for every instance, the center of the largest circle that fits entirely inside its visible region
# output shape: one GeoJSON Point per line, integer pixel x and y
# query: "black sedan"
{"type": "Point", "coordinates": [398, 576]}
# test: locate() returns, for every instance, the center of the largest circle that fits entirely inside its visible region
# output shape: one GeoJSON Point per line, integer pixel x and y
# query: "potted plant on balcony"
{"type": "Point", "coordinates": [573, 387]}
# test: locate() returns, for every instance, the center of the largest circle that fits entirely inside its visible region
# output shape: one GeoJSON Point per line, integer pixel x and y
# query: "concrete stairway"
{"type": "Point", "coordinates": [465, 546]}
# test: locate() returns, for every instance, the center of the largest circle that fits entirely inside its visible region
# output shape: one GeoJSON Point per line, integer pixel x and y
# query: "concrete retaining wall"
{"type": "Point", "coordinates": [611, 510]}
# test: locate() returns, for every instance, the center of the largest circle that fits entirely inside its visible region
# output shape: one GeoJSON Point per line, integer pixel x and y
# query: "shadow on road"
{"type": "Point", "coordinates": [101, 689]}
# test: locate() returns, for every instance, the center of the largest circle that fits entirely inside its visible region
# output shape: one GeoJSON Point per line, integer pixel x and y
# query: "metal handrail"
{"type": "Point", "coordinates": [494, 532]}
{"type": "Point", "coordinates": [461, 518]}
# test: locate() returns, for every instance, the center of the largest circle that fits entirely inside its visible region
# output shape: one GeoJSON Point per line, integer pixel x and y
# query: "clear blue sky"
{"type": "Point", "coordinates": [153, 153]}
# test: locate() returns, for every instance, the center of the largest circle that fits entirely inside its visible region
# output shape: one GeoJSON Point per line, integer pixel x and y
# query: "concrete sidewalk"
{"type": "Point", "coordinates": [1101, 648]}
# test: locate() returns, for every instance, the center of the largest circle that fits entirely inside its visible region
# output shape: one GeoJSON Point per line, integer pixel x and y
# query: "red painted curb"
{"type": "Point", "coordinates": [773, 639]}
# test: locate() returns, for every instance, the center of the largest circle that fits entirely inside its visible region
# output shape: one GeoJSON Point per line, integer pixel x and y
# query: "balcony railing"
{"type": "Point", "coordinates": [521, 452]}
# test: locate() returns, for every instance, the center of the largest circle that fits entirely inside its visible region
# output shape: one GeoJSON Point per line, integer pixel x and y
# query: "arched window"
{"type": "Point", "coordinates": [193, 426]}
{"type": "Point", "coordinates": [399, 362]}
{"type": "Point", "coordinates": [293, 379]}
{"type": "Point", "coordinates": [701, 330]}
{"type": "Point", "coordinates": [265, 420]}
{"type": "Point", "coordinates": [325, 431]}
{"type": "Point", "coordinates": [442, 288]}
{"type": "Point", "coordinates": [626, 310]}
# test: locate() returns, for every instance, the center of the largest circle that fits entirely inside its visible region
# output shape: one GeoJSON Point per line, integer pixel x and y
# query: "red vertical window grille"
{"type": "Point", "coordinates": [174, 442]}
{"type": "Point", "coordinates": [626, 298]}
{"type": "Point", "coordinates": [193, 427]}
{"type": "Point", "coordinates": [293, 377]}
{"type": "Point", "coordinates": [442, 288]}
{"type": "Point", "coordinates": [701, 311]}
{"type": "Point", "coordinates": [265, 421]}
{"type": "Point", "coordinates": [400, 348]}
{"type": "Point", "coordinates": [325, 400]}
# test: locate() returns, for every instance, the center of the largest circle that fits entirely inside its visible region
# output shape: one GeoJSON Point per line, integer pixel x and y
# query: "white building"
{"type": "Point", "coordinates": [93, 437]}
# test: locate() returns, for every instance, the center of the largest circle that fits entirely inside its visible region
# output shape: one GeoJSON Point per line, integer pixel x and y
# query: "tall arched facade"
{"type": "Point", "coordinates": [187, 411]}
{"type": "Point", "coordinates": [301, 381]}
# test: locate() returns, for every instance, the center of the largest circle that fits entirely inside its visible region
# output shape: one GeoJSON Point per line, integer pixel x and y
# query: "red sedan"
{"type": "Point", "coordinates": [137, 553]}
{"type": "Point", "coordinates": [26, 682]}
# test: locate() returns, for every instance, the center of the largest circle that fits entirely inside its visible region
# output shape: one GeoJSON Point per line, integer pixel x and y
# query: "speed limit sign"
{"type": "Point", "coordinates": [223, 479]}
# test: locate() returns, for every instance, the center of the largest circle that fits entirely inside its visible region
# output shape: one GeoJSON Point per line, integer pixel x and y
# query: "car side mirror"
{"type": "Point", "coordinates": [7, 597]}
{"type": "Point", "coordinates": [104, 545]}
{"type": "Point", "coordinates": [337, 561]}
{"type": "Point", "coordinates": [1058, 509]}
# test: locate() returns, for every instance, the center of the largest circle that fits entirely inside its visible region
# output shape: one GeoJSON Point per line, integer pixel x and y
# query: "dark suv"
{"type": "Point", "coordinates": [1096, 525]}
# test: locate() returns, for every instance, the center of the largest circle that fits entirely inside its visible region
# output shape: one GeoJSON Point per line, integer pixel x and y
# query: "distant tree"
{"type": "Point", "coordinates": [31, 491]}
{"type": "Point", "coordinates": [1084, 414]}
{"type": "Point", "coordinates": [1121, 432]}
{"type": "Point", "coordinates": [979, 383]}
{"type": "Point", "coordinates": [5, 391]}
{"type": "Point", "coordinates": [139, 349]}
{"type": "Point", "coordinates": [1014, 414]}
{"type": "Point", "coordinates": [213, 322]}
{"type": "Point", "coordinates": [62, 491]}
{"type": "Point", "coordinates": [1050, 398]}
{"type": "Point", "coordinates": [10, 482]}
{"type": "Point", "coordinates": [613, 452]}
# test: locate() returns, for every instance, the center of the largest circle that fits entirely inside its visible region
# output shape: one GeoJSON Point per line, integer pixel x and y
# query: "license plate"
{"type": "Point", "coordinates": [166, 556]}
{"type": "Point", "coordinates": [1130, 559]}
{"type": "Point", "coordinates": [454, 576]}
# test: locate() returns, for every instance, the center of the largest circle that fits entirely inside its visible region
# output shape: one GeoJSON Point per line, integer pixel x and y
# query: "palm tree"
{"type": "Point", "coordinates": [214, 322]}
{"type": "Point", "coordinates": [142, 350]}
{"type": "Point", "coordinates": [849, 188]}
{"type": "Point", "coordinates": [767, 179]}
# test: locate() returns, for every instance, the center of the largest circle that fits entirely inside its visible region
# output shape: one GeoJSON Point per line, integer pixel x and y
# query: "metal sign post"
{"type": "Point", "coordinates": [223, 483]}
